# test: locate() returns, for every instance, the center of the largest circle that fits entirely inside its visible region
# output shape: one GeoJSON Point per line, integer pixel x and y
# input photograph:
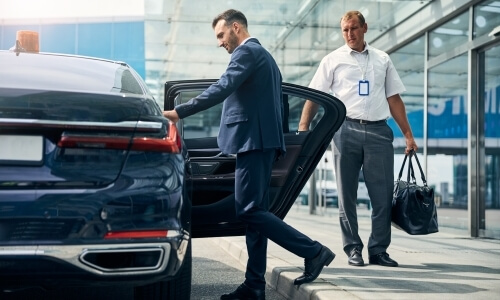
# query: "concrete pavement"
{"type": "Point", "coordinates": [443, 265]}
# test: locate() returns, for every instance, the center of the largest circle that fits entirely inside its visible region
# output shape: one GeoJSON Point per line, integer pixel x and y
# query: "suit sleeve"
{"type": "Point", "coordinates": [239, 69]}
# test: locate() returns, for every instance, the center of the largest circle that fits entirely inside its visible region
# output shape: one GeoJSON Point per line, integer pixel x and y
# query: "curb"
{"type": "Point", "coordinates": [281, 274]}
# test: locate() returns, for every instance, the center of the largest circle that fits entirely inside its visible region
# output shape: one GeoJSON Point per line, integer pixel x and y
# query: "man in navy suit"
{"type": "Point", "coordinates": [251, 127]}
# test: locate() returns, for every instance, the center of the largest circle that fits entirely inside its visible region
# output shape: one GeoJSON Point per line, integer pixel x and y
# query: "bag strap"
{"type": "Point", "coordinates": [420, 167]}
{"type": "Point", "coordinates": [410, 169]}
{"type": "Point", "coordinates": [402, 167]}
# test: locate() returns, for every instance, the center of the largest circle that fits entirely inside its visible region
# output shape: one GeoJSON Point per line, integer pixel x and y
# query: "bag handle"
{"type": "Point", "coordinates": [410, 168]}
{"type": "Point", "coordinates": [411, 172]}
{"type": "Point", "coordinates": [420, 168]}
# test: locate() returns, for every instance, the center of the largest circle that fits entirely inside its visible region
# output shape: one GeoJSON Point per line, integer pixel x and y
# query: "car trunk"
{"type": "Point", "coordinates": [69, 140]}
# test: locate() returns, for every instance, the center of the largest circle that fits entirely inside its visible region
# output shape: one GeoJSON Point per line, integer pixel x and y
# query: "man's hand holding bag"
{"type": "Point", "coordinates": [413, 206]}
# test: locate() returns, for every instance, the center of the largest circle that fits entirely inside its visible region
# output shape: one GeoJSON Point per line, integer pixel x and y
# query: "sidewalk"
{"type": "Point", "coordinates": [443, 265]}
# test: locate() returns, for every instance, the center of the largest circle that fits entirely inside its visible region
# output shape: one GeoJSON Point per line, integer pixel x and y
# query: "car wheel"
{"type": "Point", "coordinates": [176, 288]}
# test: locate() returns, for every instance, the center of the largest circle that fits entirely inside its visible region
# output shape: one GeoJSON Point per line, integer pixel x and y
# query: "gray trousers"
{"type": "Point", "coordinates": [369, 147]}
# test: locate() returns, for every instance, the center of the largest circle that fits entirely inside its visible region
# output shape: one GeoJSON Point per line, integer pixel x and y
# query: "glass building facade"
{"type": "Point", "coordinates": [119, 39]}
{"type": "Point", "coordinates": [447, 53]}
{"type": "Point", "coordinates": [456, 68]}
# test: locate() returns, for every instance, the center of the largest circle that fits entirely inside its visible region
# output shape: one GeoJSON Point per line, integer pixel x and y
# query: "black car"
{"type": "Point", "coordinates": [98, 188]}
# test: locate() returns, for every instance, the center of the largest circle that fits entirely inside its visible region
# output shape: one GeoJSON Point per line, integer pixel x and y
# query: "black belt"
{"type": "Point", "coordinates": [365, 122]}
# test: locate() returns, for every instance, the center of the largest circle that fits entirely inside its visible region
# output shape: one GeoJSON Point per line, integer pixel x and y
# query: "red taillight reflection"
{"type": "Point", "coordinates": [171, 143]}
{"type": "Point", "coordinates": [136, 234]}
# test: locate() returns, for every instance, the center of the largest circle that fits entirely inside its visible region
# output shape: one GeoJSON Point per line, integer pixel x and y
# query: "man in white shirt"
{"type": "Point", "coordinates": [365, 80]}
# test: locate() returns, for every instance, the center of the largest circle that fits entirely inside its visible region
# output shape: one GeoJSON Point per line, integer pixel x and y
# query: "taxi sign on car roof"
{"type": "Point", "coordinates": [26, 41]}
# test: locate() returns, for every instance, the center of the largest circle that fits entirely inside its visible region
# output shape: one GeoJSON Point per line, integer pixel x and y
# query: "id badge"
{"type": "Point", "coordinates": [364, 88]}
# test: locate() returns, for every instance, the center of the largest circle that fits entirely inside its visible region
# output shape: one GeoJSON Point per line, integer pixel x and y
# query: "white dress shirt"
{"type": "Point", "coordinates": [340, 71]}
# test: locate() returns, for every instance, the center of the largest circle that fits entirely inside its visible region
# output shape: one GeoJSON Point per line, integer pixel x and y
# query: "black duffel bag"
{"type": "Point", "coordinates": [413, 206]}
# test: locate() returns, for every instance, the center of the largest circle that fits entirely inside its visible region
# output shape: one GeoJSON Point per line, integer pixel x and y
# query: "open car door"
{"type": "Point", "coordinates": [211, 178]}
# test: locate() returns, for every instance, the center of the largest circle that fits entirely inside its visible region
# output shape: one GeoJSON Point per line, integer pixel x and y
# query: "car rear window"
{"type": "Point", "coordinates": [66, 73]}
{"type": "Point", "coordinates": [72, 106]}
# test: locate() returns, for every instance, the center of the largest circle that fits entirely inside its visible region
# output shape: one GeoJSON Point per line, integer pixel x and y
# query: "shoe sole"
{"type": "Point", "coordinates": [329, 260]}
{"type": "Point", "coordinates": [383, 265]}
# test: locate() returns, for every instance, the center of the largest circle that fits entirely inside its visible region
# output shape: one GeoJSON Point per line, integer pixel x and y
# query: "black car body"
{"type": "Point", "coordinates": [91, 176]}
{"type": "Point", "coordinates": [97, 187]}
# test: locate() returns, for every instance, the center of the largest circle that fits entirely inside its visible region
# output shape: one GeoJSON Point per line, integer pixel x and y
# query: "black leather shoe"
{"type": "Point", "coordinates": [243, 292]}
{"type": "Point", "coordinates": [314, 266]}
{"type": "Point", "coordinates": [355, 258]}
{"type": "Point", "coordinates": [383, 259]}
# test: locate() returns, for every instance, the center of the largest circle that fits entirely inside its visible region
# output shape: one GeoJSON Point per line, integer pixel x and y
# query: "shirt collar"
{"type": "Point", "coordinates": [245, 40]}
{"type": "Point", "coordinates": [365, 51]}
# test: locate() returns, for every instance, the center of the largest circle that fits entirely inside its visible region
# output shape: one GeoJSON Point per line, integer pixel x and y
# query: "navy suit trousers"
{"type": "Point", "coordinates": [253, 176]}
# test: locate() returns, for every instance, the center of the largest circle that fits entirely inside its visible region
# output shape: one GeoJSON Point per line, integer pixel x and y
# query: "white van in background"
{"type": "Point", "coordinates": [326, 185]}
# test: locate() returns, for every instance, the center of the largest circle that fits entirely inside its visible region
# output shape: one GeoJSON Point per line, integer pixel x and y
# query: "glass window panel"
{"type": "Point", "coordinates": [447, 140]}
{"type": "Point", "coordinates": [486, 17]}
{"type": "Point", "coordinates": [128, 45]}
{"type": "Point", "coordinates": [128, 41]}
{"type": "Point", "coordinates": [60, 38]}
{"type": "Point", "coordinates": [492, 140]}
{"type": "Point", "coordinates": [449, 35]}
{"type": "Point", "coordinates": [409, 62]}
{"type": "Point", "coordinates": [92, 34]}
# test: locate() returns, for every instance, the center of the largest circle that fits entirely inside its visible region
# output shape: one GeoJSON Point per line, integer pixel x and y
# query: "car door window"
{"type": "Point", "coordinates": [202, 124]}
{"type": "Point", "coordinates": [206, 123]}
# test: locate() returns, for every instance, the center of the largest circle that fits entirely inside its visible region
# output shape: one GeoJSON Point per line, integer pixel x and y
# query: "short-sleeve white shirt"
{"type": "Point", "coordinates": [340, 71]}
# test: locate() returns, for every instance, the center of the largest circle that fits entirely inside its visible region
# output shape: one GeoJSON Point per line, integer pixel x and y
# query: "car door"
{"type": "Point", "coordinates": [211, 178]}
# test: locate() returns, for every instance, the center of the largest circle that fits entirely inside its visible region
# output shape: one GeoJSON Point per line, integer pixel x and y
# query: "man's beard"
{"type": "Point", "coordinates": [232, 42]}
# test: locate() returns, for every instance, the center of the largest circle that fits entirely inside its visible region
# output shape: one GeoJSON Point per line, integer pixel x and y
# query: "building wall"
{"type": "Point", "coordinates": [114, 39]}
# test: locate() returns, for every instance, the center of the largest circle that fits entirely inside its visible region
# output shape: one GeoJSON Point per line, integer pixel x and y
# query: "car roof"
{"type": "Point", "coordinates": [64, 72]}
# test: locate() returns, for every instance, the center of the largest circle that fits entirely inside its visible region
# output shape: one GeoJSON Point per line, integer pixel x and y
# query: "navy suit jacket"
{"type": "Point", "coordinates": [252, 115]}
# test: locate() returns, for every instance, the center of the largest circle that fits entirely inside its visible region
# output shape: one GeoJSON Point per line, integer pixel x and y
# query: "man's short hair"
{"type": "Point", "coordinates": [231, 16]}
{"type": "Point", "coordinates": [353, 13]}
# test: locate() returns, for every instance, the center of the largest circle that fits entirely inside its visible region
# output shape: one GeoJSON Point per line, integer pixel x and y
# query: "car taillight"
{"type": "Point", "coordinates": [136, 234]}
{"type": "Point", "coordinates": [170, 143]}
